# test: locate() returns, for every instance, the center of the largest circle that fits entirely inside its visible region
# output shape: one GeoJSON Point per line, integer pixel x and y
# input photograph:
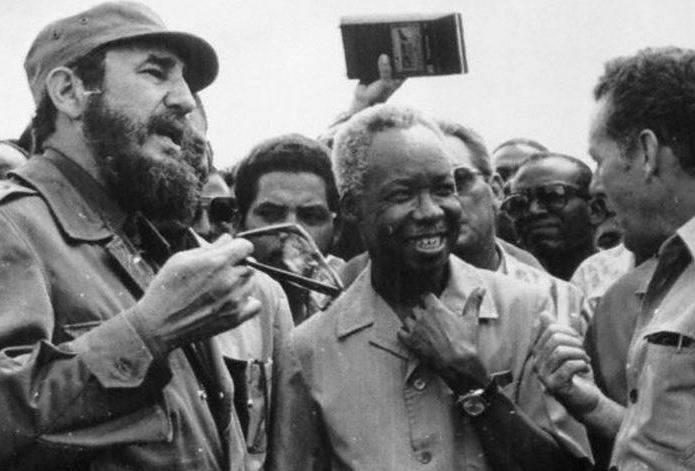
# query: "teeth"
{"type": "Point", "coordinates": [428, 243]}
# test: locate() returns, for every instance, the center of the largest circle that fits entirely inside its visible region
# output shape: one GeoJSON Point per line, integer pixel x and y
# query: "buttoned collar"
{"type": "Point", "coordinates": [80, 205]}
{"type": "Point", "coordinates": [363, 307]}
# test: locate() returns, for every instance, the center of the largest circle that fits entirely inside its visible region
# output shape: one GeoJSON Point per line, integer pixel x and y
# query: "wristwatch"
{"type": "Point", "coordinates": [476, 401]}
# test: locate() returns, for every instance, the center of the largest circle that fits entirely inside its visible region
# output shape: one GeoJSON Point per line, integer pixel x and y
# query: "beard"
{"type": "Point", "coordinates": [165, 190]}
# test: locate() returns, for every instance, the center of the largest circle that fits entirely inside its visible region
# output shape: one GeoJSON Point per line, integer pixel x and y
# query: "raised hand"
{"type": "Point", "coordinates": [563, 366]}
{"type": "Point", "coordinates": [197, 294]}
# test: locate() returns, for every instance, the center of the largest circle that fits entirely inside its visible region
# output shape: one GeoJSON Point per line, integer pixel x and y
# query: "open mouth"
{"type": "Point", "coordinates": [428, 243]}
{"type": "Point", "coordinates": [170, 132]}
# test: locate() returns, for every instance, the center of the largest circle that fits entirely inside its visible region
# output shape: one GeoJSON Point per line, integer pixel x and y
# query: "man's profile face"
{"type": "Point", "coordinates": [607, 232]}
{"type": "Point", "coordinates": [546, 230]}
{"type": "Point", "coordinates": [507, 160]}
{"type": "Point", "coordinates": [290, 197]}
{"type": "Point", "coordinates": [409, 212]}
{"type": "Point", "coordinates": [638, 209]}
{"type": "Point", "coordinates": [136, 126]}
{"type": "Point", "coordinates": [476, 198]}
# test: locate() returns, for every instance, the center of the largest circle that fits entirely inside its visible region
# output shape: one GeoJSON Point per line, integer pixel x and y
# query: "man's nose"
{"type": "Point", "coordinates": [535, 207]}
{"type": "Point", "coordinates": [427, 208]}
{"type": "Point", "coordinates": [180, 97]}
{"type": "Point", "coordinates": [202, 224]}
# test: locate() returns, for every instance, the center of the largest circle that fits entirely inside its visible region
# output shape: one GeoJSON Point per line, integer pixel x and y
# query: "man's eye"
{"type": "Point", "coordinates": [156, 73]}
{"type": "Point", "coordinates": [445, 189]}
{"type": "Point", "coordinates": [314, 216]}
{"type": "Point", "coordinates": [399, 196]}
{"type": "Point", "coordinates": [271, 214]}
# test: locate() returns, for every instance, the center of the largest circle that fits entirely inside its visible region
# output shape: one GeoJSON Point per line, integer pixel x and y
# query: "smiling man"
{"type": "Point", "coordinates": [398, 372]}
{"type": "Point", "coordinates": [103, 364]}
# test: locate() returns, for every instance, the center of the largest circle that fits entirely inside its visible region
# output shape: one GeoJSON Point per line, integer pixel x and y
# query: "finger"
{"type": "Point", "coordinates": [231, 251]}
{"type": "Point", "coordinates": [405, 337]}
{"type": "Point", "coordinates": [384, 65]}
{"type": "Point", "coordinates": [553, 339]}
{"type": "Point", "coordinates": [430, 302]}
{"type": "Point", "coordinates": [561, 355]}
{"type": "Point", "coordinates": [221, 240]}
{"type": "Point", "coordinates": [472, 305]}
{"type": "Point", "coordinates": [409, 324]}
{"type": "Point", "coordinates": [562, 378]}
{"type": "Point", "coordinates": [550, 328]}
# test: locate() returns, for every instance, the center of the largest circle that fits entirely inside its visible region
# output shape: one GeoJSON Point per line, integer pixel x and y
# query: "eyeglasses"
{"type": "Point", "coordinates": [553, 197]}
{"type": "Point", "coordinates": [220, 209]}
{"type": "Point", "coordinates": [598, 210]}
{"type": "Point", "coordinates": [465, 178]}
{"type": "Point", "coordinates": [315, 215]}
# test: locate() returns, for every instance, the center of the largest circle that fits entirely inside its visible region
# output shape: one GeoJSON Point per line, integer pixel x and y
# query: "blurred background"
{"type": "Point", "coordinates": [532, 63]}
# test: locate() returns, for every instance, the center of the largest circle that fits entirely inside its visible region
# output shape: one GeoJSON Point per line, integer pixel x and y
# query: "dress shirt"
{"type": "Point", "coordinates": [595, 274]}
{"type": "Point", "coordinates": [657, 432]}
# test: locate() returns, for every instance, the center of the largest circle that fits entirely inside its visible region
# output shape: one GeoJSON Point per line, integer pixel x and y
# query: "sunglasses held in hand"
{"type": "Point", "coordinates": [306, 267]}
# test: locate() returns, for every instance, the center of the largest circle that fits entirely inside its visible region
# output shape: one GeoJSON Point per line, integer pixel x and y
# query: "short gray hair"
{"type": "Point", "coordinates": [350, 148]}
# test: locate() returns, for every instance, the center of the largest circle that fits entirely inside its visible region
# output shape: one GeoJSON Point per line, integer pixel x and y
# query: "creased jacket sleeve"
{"type": "Point", "coordinates": [296, 439]}
{"type": "Point", "coordinates": [50, 392]}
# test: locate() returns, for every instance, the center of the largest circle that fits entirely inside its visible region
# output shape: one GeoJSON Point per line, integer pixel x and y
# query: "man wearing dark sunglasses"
{"type": "Point", "coordinates": [549, 202]}
{"type": "Point", "coordinates": [217, 212]}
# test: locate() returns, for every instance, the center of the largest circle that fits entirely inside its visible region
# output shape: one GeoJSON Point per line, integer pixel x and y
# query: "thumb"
{"type": "Point", "coordinates": [384, 65]}
{"type": "Point", "coordinates": [473, 302]}
{"type": "Point", "coordinates": [541, 324]}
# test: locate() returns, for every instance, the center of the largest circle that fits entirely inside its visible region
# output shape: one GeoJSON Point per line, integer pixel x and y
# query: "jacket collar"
{"type": "Point", "coordinates": [80, 205]}
{"type": "Point", "coordinates": [363, 307]}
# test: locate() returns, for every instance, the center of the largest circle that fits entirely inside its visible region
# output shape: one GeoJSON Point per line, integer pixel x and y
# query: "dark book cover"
{"type": "Point", "coordinates": [418, 45]}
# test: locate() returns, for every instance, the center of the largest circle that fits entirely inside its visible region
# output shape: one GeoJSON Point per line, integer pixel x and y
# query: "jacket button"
{"type": "Point", "coordinates": [633, 395]}
{"type": "Point", "coordinates": [419, 384]}
{"type": "Point", "coordinates": [425, 457]}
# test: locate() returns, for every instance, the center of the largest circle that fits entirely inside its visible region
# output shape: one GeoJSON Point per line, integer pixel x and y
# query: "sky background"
{"type": "Point", "coordinates": [532, 63]}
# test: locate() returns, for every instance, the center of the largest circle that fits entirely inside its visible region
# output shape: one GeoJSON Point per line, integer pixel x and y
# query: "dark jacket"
{"type": "Point", "coordinates": [78, 387]}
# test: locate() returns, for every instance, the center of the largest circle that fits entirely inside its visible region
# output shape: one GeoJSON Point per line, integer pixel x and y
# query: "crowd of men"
{"type": "Point", "coordinates": [510, 310]}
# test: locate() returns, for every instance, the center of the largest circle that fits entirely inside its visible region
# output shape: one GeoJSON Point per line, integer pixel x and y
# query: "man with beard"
{"type": "Point", "coordinates": [548, 202]}
{"type": "Point", "coordinates": [103, 364]}
{"type": "Point", "coordinates": [398, 372]}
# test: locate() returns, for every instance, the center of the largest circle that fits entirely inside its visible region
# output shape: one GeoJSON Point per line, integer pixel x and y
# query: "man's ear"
{"type": "Point", "coordinates": [67, 92]}
{"type": "Point", "coordinates": [497, 185]}
{"type": "Point", "coordinates": [350, 209]}
{"type": "Point", "coordinates": [649, 153]}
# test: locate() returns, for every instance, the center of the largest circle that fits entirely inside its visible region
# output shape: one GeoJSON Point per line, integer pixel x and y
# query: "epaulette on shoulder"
{"type": "Point", "coordinates": [10, 190]}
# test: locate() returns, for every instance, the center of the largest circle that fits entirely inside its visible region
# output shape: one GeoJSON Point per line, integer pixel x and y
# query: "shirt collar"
{"type": "Point", "coordinates": [502, 254]}
{"type": "Point", "coordinates": [361, 303]}
{"type": "Point", "coordinates": [80, 205]}
{"type": "Point", "coordinates": [687, 233]}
